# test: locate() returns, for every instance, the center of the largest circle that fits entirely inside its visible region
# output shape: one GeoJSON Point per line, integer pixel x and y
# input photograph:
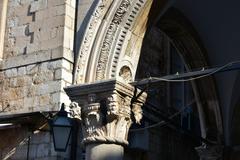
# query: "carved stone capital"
{"type": "Point", "coordinates": [207, 152]}
{"type": "Point", "coordinates": [108, 110]}
{"type": "Point", "coordinates": [74, 111]}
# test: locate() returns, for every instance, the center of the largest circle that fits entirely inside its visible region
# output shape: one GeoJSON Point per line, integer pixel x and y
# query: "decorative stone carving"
{"type": "Point", "coordinates": [110, 43]}
{"type": "Point", "coordinates": [207, 152]}
{"type": "Point", "coordinates": [107, 110]}
{"type": "Point", "coordinates": [102, 5]}
{"type": "Point", "coordinates": [137, 111]}
{"type": "Point", "coordinates": [93, 120]}
{"type": "Point", "coordinates": [108, 40]}
{"type": "Point", "coordinates": [88, 38]}
{"type": "Point", "coordinates": [86, 47]}
{"type": "Point", "coordinates": [75, 110]}
{"type": "Point", "coordinates": [112, 106]}
{"type": "Point", "coordinates": [126, 74]}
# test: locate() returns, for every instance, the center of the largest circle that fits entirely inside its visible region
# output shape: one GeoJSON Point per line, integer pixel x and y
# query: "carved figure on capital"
{"type": "Point", "coordinates": [93, 118]}
{"type": "Point", "coordinates": [125, 109]}
{"type": "Point", "coordinates": [137, 111]}
{"type": "Point", "coordinates": [108, 114]}
{"type": "Point", "coordinates": [122, 128]}
{"type": "Point", "coordinates": [112, 105]}
{"type": "Point", "coordinates": [75, 110]}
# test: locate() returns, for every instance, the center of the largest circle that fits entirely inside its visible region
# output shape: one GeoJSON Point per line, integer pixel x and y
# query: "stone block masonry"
{"type": "Point", "coordinates": [35, 66]}
{"type": "Point", "coordinates": [26, 145]}
{"type": "Point", "coordinates": [35, 27]}
{"type": "Point", "coordinates": [35, 87]}
{"type": "Point", "coordinates": [38, 55]}
{"type": "Point", "coordinates": [36, 63]}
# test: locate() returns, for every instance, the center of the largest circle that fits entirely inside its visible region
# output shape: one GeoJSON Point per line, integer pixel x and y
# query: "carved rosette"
{"type": "Point", "coordinates": [207, 152]}
{"type": "Point", "coordinates": [107, 110]}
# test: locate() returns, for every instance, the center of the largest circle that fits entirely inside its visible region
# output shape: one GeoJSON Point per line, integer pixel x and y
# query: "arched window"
{"type": "Point", "coordinates": [172, 45]}
{"type": "Point", "coordinates": [3, 15]}
{"type": "Point", "coordinates": [174, 103]}
{"type": "Point", "coordinates": [180, 96]}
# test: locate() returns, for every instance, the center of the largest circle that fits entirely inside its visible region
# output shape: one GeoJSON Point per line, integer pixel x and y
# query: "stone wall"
{"type": "Point", "coordinates": [38, 55]}
{"type": "Point", "coordinates": [36, 65]}
{"type": "Point", "coordinates": [36, 87]}
{"type": "Point", "coordinates": [27, 145]}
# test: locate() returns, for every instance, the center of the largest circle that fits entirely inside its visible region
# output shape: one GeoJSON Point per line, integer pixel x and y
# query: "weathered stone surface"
{"type": "Point", "coordinates": [35, 86]}
{"type": "Point", "coordinates": [41, 77]}
{"type": "Point", "coordinates": [11, 72]}
{"type": "Point", "coordinates": [63, 74]}
{"type": "Point", "coordinates": [37, 26]}
{"type": "Point", "coordinates": [38, 5]}
{"type": "Point", "coordinates": [22, 71]}
{"type": "Point", "coordinates": [120, 106]}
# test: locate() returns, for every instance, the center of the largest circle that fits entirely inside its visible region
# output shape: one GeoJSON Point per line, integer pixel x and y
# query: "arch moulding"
{"type": "Point", "coordinates": [112, 41]}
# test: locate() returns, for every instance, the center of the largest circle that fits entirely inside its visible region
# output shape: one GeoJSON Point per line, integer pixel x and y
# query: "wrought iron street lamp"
{"type": "Point", "coordinates": [61, 126]}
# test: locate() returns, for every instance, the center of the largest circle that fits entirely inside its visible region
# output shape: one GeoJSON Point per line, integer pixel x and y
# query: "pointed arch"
{"type": "Point", "coordinates": [188, 42]}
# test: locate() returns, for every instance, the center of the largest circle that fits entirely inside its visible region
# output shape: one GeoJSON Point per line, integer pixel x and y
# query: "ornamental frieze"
{"type": "Point", "coordinates": [108, 40]}
{"type": "Point", "coordinates": [88, 38]}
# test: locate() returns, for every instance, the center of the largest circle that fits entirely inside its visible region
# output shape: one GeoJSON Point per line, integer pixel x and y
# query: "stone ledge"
{"type": "Point", "coordinates": [36, 57]}
{"type": "Point", "coordinates": [100, 86]}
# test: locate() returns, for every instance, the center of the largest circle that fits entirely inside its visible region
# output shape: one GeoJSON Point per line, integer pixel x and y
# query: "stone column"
{"type": "Point", "coordinates": [108, 109]}
{"type": "Point", "coordinates": [207, 152]}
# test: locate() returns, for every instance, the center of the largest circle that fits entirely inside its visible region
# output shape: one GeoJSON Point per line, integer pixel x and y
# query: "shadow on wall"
{"type": "Point", "coordinates": [235, 125]}
{"type": "Point", "coordinates": [234, 152]}
{"type": "Point", "coordinates": [13, 143]}
{"type": "Point", "coordinates": [235, 104]}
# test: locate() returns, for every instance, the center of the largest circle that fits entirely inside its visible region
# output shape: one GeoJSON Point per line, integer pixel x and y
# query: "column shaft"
{"type": "Point", "coordinates": [104, 152]}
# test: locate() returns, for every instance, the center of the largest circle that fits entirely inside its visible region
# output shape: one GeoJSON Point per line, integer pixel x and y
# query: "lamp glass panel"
{"type": "Point", "coordinates": [61, 137]}
{"type": "Point", "coordinates": [63, 121]}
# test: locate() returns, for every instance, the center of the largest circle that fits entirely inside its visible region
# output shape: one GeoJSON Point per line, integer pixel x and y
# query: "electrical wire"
{"type": "Point", "coordinates": [150, 79]}
{"type": "Point", "coordinates": [190, 79]}
{"type": "Point", "coordinates": [162, 123]}
{"type": "Point", "coordinates": [159, 124]}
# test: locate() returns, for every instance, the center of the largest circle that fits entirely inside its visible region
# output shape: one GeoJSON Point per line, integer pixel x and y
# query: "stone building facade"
{"type": "Point", "coordinates": [97, 53]}
{"type": "Point", "coordinates": [36, 64]}
{"type": "Point", "coordinates": [38, 51]}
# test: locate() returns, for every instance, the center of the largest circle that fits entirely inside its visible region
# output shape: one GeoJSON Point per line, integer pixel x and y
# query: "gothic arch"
{"type": "Point", "coordinates": [113, 40]}
{"type": "Point", "coordinates": [187, 41]}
